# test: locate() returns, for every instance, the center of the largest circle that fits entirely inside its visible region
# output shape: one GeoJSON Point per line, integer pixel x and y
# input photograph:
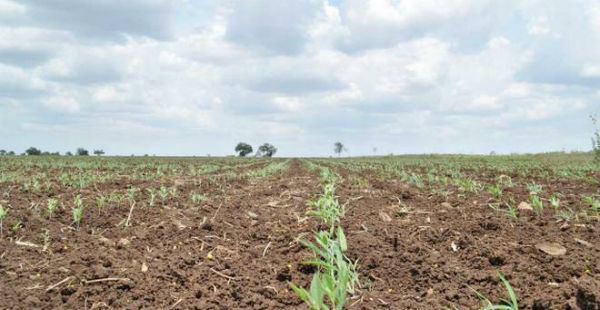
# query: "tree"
{"type": "Point", "coordinates": [338, 148]}
{"type": "Point", "coordinates": [11, 153]}
{"type": "Point", "coordinates": [98, 152]}
{"type": "Point", "coordinates": [243, 149]}
{"type": "Point", "coordinates": [82, 152]}
{"type": "Point", "coordinates": [32, 151]}
{"type": "Point", "coordinates": [267, 150]}
{"type": "Point", "coordinates": [596, 138]}
{"type": "Point", "coordinates": [68, 153]}
{"type": "Point", "coordinates": [2, 152]}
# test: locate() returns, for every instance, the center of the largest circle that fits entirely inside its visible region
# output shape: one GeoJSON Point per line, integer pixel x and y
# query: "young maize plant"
{"type": "Point", "coordinates": [327, 208]}
{"type": "Point", "coordinates": [100, 203]}
{"type": "Point", "coordinates": [337, 276]}
{"type": "Point", "coordinates": [77, 210]}
{"type": "Point", "coordinates": [163, 193]}
{"type": "Point", "coordinates": [131, 195]}
{"type": "Point", "coordinates": [511, 304]}
{"type": "Point", "coordinates": [536, 202]}
{"type": "Point", "coordinates": [3, 213]}
{"type": "Point", "coordinates": [534, 188]}
{"type": "Point", "coordinates": [495, 190]}
{"type": "Point", "coordinates": [508, 211]}
{"type": "Point", "coordinates": [51, 206]}
{"type": "Point", "coordinates": [555, 201]}
{"type": "Point", "coordinates": [593, 203]}
{"type": "Point", "coordinates": [198, 198]}
{"type": "Point", "coordinates": [152, 193]}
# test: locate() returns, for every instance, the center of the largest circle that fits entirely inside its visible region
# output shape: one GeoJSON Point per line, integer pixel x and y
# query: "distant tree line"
{"type": "Point", "coordinates": [34, 151]}
{"type": "Point", "coordinates": [265, 150]}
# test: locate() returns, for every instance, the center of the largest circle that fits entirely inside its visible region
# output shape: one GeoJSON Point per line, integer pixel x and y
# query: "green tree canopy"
{"type": "Point", "coordinates": [243, 149]}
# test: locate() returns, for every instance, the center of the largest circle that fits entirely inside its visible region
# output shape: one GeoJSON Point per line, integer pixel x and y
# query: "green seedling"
{"type": "Point", "coordinates": [509, 211]}
{"type": "Point", "coordinates": [593, 203]}
{"type": "Point", "coordinates": [16, 226]}
{"type": "Point", "coordinates": [46, 237]}
{"type": "Point", "coordinates": [3, 213]}
{"type": "Point", "coordinates": [536, 202]}
{"type": "Point", "coordinates": [327, 207]}
{"type": "Point", "coordinates": [173, 191]}
{"type": "Point", "coordinates": [555, 201]}
{"type": "Point", "coordinates": [100, 203]}
{"type": "Point", "coordinates": [511, 304]}
{"type": "Point", "coordinates": [77, 210]}
{"type": "Point", "coordinates": [534, 188]}
{"type": "Point", "coordinates": [131, 195]}
{"type": "Point", "coordinates": [337, 276]}
{"type": "Point", "coordinates": [198, 198]}
{"type": "Point", "coordinates": [152, 193]}
{"type": "Point", "coordinates": [495, 191]}
{"type": "Point", "coordinates": [51, 206]}
{"type": "Point", "coordinates": [163, 193]}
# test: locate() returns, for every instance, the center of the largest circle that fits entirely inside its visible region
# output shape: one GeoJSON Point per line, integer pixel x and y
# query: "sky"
{"type": "Point", "coordinates": [183, 77]}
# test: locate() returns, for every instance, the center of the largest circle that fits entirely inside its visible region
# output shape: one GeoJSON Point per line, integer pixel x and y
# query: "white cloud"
{"type": "Point", "coordinates": [62, 103]}
{"type": "Point", "coordinates": [591, 70]}
{"type": "Point", "coordinates": [538, 26]}
{"type": "Point", "coordinates": [198, 76]}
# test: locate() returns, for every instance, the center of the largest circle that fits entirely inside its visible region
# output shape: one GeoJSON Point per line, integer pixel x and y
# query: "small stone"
{"type": "Point", "coordinates": [107, 242]}
{"type": "Point", "coordinates": [31, 300]}
{"type": "Point", "coordinates": [525, 206]}
{"type": "Point", "coordinates": [446, 205]}
{"type": "Point", "coordinates": [429, 292]}
{"type": "Point", "coordinates": [123, 242]}
{"type": "Point", "coordinates": [144, 268]}
{"type": "Point", "coordinates": [252, 215]}
{"type": "Point", "coordinates": [384, 217]}
{"type": "Point", "coordinates": [551, 248]}
{"type": "Point", "coordinates": [565, 226]}
{"type": "Point", "coordinates": [583, 242]}
{"type": "Point", "coordinates": [453, 246]}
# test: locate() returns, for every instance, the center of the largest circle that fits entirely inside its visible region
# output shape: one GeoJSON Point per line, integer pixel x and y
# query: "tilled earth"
{"type": "Point", "coordinates": [240, 249]}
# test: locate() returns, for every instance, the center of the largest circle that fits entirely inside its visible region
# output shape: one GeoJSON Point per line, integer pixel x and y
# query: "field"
{"type": "Point", "coordinates": [421, 232]}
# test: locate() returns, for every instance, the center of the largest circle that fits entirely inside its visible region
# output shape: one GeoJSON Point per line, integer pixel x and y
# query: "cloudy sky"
{"type": "Point", "coordinates": [183, 77]}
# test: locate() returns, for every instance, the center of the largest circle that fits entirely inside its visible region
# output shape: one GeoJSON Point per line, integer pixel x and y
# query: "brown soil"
{"type": "Point", "coordinates": [240, 249]}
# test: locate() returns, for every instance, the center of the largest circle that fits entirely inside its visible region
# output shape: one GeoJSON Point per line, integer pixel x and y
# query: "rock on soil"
{"type": "Point", "coordinates": [551, 248]}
